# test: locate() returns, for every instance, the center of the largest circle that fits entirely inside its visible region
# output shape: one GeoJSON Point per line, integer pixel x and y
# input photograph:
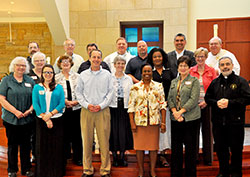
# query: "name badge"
{"type": "Point", "coordinates": [41, 92]}
{"type": "Point", "coordinates": [34, 77]}
{"type": "Point", "coordinates": [188, 83]}
{"type": "Point", "coordinates": [27, 84]}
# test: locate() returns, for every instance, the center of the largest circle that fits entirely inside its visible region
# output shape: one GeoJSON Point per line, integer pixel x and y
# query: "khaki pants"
{"type": "Point", "coordinates": [101, 121]}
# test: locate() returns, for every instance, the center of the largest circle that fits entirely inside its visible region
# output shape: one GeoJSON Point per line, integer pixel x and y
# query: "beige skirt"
{"type": "Point", "coordinates": [146, 138]}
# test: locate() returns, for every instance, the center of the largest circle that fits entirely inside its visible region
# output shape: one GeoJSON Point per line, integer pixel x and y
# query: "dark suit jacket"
{"type": "Point", "coordinates": [173, 60]}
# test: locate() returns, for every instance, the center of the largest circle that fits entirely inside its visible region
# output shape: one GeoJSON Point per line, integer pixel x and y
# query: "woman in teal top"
{"type": "Point", "coordinates": [183, 100]}
{"type": "Point", "coordinates": [16, 101]}
{"type": "Point", "coordinates": [48, 101]}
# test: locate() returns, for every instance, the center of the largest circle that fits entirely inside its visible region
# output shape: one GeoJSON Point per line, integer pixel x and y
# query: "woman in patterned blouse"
{"type": "Point", "coordinates": [147, 111]}
{"type": "Point", "coordinates": [71, 117]}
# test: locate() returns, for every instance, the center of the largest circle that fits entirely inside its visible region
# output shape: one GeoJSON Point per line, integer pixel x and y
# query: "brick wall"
{"type": "Point", "coordinates": [22, 34]}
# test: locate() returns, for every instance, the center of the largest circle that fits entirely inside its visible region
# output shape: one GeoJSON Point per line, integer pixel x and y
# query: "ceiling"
{"type": "Point", "coordinates": [20, 8]}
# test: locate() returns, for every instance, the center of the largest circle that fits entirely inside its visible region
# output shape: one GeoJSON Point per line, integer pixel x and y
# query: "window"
{"type": "Point", "coordinates": [150, 32]}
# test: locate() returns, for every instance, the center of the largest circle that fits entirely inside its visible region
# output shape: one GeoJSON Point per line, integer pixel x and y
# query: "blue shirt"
{"type": "Point", "coordinates": [19, 95]}
{"type": "Point", "coordinates": [94, 87]}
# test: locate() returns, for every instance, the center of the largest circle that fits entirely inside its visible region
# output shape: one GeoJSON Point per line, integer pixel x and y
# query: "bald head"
{"type": "Point", "coordinates": [142, 49]}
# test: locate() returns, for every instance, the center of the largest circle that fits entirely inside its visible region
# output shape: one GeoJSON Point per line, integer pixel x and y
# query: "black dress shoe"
{"type": "Point", "coordinates": [27, 173]}
{"type": "Point", "coordinates": [115, 163]}
{"type": "Point", "coordinates": [85, 175]}
{"type": "Point", "coordinates": [12, 174]}
{"type": "Point", "coordinates": [123, 163]}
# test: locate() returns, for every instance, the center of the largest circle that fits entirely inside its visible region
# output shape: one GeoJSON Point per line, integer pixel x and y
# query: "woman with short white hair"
{"type": "Point", "coordinates": [16, 100]}
{"type": "Point", "coordinates": [38, 60]}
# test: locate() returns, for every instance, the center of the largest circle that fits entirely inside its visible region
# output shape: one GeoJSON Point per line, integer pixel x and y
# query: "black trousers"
{"type": "Point", "coordinates": [184, 133]}
{"type": "Point", "coordinates": [33, 138]}
{"type": "Point", "coordinates": [207, 135]}
{"type": "Point", "coordinates": [229, 141]}
{"type": "Point", "coordinates": [72, 134]}
{"type": "Point", "coordinates": [18, 135]}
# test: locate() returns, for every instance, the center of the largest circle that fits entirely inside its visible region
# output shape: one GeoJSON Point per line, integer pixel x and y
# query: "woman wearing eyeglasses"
{"type": "Point", "coordinates": [16, 100]}
{"type": "Point", "coordinates": [71, 117]}
{"type": "Point", "coordinates": [48, 100]}
{"type": "Point", "coordinates": [205, 74]}
{"type": "Point", "coordinates": [183, 100]}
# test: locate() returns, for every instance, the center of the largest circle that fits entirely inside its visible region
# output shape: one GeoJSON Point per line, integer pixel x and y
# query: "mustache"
{"type": "Point", "coordinates": [226, 69]}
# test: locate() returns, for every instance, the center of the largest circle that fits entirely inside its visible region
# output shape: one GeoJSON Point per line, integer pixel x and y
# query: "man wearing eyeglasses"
{"type": "Point", "coordinates": [216, 52]}
{"type": "Point", "coordinates": [69, 47]}
{"type": "Point", "coordinates": [179, 43]}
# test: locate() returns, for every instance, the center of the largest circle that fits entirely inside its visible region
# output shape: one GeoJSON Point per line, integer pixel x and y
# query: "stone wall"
{"type": "Point", "coordinates": [99, 20]}
{"type": "Point", "coordinates": [22, 34]}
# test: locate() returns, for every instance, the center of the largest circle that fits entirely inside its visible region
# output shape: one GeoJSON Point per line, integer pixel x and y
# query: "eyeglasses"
{"type": "Point", "coordinates": [70, 45]}
{"type": "Point", "coordinates": [183, 66]}
{"type": "Point", "coordinates": [65, 61]}
{"type": "Point", "coordinates": [20, 65]}
{"type": "Point", "coordinates": [48, 72]}
{"type": "Point", "coordinates": [200, 57]}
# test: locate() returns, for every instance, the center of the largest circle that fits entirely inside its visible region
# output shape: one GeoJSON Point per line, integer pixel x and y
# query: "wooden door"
{"type": "Point", "coordinates": [235, 34]}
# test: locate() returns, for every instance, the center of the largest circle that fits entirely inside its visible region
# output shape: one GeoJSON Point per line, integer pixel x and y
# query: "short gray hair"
{"type": "Point", "coordinates": [69, 39]}
{"type": "Point", "coordinates": [15, 61]}
{"type": "Point", "coordinates": [216, 37]}
{"type": "Point", "coordinates": [37, 54]}
{"type": "Point", "coordinates": [225, 57]}
{"type": "Point", "coordinates": [119, 58]}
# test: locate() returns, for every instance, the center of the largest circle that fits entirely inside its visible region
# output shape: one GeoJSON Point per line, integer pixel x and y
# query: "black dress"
{"type": "Point", "coordinates": [121, 138]}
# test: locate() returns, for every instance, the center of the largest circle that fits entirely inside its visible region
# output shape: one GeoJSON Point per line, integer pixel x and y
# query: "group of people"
{"type": "Point", "coordinates": [163, 97]}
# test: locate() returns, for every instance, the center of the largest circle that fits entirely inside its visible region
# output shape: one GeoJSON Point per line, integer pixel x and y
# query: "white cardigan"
{"type": "Point", "coordinates": [126, 84]}
{"type": "Point", "coordinates": [73, 78]}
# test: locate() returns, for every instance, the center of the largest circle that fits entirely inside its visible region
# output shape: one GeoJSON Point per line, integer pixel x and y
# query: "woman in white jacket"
{"type": "Point", "coordinates": [71, 117]}
{"type": "Point", "coordinates": [120, 135]}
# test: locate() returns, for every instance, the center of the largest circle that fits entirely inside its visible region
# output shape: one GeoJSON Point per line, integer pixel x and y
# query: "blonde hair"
{"type": "Point", "coordinates": [199, 50]}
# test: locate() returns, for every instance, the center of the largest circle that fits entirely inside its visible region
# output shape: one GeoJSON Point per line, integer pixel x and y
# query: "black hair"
{"type": "Point", "coordinates": [33, 42]}
{"type": "Point", "coordinates": [91, 45]}
{"type": "Point", "coordinates": [164, 57]}
{"type": "Point", "coordinates": [180, 35]}
{"type": "Point", "coordinates": [52, 84]}
{"type": "Point", "coordinates": [146, 64]}
{"type": "Point", "coordinates": [184, 59]}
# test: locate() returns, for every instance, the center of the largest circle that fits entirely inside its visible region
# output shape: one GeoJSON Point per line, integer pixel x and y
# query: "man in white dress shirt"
{"type": "Point", "coordinates": [121, 45]}
{"type": "Point", "coordinates": [216, 52]}
{"type": "Point", "coordinates": [69, 47]}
